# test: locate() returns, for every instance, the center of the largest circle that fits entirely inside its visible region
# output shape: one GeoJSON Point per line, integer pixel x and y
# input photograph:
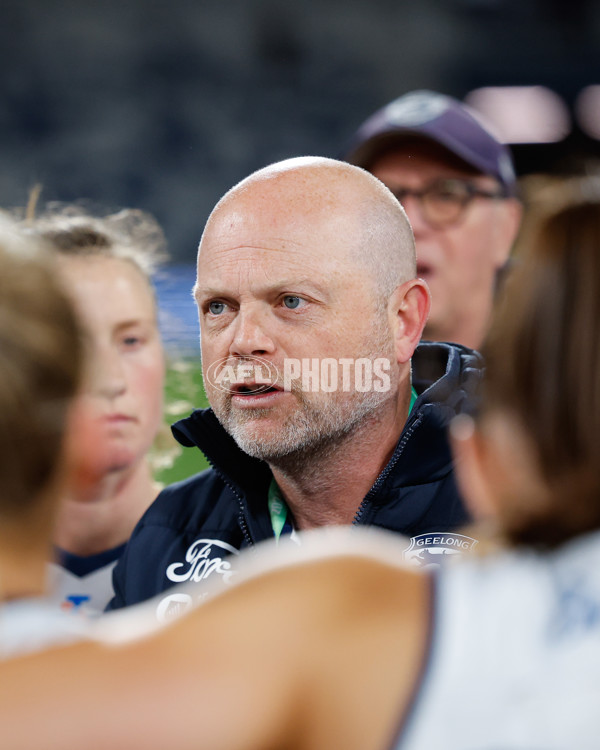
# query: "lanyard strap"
{"type": "Point", "coordinates": [277, 509]}
{"type": "Point", "coordinates": [413, 398]}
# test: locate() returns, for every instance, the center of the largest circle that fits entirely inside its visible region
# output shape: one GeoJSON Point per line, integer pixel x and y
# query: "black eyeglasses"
{"type": "Point", "coordinates": [444, 202]}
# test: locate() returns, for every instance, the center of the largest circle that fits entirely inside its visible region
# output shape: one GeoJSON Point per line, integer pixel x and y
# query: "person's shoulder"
{"type": "Point", "coordinates": [336, 564]}
{"type": "Point", "coordinates": [342, 604]}
{"type": "Point", "coordinates": [186, 498]}
{"type": "Point", "coordinates": [204, 480]}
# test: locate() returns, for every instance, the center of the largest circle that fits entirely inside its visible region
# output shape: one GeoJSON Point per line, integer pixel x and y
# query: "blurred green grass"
{"type": "Point", "coordinates": [184, 392]}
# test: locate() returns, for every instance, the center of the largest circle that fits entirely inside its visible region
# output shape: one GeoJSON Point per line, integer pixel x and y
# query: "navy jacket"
{"type": "Point", "coordinates": [195, 527]}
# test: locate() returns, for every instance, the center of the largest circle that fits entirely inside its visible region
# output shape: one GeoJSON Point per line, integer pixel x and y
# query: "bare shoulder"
{"type": "Point", "coordinates": [336, 636]}
{"type": "Point", "coordinates": [369, 639]}
{"type": "Point", "coordinates": [313, 647]}
{"type": "Point", "coordinates": [336, 578]}
{"type": "Point", "coordinates": [318, 652]}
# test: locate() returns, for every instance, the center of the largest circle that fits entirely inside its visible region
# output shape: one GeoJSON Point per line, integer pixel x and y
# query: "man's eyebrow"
{"type": "Point", "coordinates": [198, 291]}
{"type": "Point", "coordinates": [291, 285]}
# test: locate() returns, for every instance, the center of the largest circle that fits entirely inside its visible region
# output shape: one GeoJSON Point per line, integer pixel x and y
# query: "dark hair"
{"type": "Point", "coordinates": [40, 369]}
{"type": "Point", "coordinates": [543, 361]}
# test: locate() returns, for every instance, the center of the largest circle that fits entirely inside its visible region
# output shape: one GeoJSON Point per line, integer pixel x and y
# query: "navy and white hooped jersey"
{"type": "Point", "coordinates": [83, 583]}
{"type": "Point", "coordinates": [514, 658]}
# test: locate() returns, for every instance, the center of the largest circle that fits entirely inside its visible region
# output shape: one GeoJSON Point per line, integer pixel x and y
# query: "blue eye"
{"type": "Point", "coordinates": [291, 301]}
{"type": "Point", "coordinates": [216, 308]}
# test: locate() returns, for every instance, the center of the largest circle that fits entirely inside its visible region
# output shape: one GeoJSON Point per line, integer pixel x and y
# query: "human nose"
{"type": "Point", "coordinates": [250, 335]}
{"type": "Point", "coordinates": [106, 374]}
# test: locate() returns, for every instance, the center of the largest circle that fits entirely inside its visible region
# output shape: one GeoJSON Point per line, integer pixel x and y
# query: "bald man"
{"type": "Point", "coordinates": [324, 409]}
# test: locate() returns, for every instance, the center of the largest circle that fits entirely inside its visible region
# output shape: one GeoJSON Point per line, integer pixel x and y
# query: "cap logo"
{"type": "Point", "coordinates": [416, 109]}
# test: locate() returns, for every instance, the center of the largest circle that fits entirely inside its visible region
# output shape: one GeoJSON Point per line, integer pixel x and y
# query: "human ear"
{"type": "Point", "coordinates": [409, 307]}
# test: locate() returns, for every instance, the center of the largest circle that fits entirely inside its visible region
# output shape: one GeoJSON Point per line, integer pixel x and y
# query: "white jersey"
{"type": "Point", "coordinates": [36, 623]}
{"type": "Point", "coordinates": [83, 583]}
{"type": "Point", "coordinates": [514, 661]}
{"type": "Point", "coordinates": [32, 624]}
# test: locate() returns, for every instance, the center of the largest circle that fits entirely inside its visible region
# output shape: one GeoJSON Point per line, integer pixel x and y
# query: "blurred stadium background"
{"type": "Point", "coordinates": [164, 104]}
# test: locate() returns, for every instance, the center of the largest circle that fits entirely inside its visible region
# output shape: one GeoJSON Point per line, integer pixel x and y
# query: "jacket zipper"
{"type": "Point", "coordinates": [366, 501]}
{"type": "Point", "coordinates": [242, 515]}
{"type": "Point", "coordinates": [243, 523]}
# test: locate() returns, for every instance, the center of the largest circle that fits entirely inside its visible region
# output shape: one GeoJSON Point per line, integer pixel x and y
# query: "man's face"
{"type": "Point", "coordinates": [282, 289]}
{"type": "Point", "coordinates": [458, 261]}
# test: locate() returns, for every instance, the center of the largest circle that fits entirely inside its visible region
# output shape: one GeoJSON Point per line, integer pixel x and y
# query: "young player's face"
{"type": "Point", "coordinates": [123, 389]}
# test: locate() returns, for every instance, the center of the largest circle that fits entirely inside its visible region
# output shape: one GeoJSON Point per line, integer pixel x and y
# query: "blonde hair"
{"type": "Point", "coordinates": [72, 229]}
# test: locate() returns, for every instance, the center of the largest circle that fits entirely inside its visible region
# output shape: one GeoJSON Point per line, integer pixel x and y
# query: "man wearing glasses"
{"type": "Point", "coordinates": [457, 184]}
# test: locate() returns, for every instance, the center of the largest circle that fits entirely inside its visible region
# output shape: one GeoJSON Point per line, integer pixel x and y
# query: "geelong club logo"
{"type": "Point", "coordinates": [431, 549]}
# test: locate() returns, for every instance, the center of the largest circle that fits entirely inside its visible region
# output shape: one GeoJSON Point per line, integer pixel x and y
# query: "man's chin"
{"type": "Point", "coordinates": [257, 441]}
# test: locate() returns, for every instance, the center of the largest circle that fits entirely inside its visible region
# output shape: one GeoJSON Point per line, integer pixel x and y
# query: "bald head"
{"type": "Point", "coordinates": [333, 200]}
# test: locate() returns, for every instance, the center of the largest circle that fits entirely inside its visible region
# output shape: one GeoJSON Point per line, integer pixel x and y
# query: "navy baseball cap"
{"type": "Point", "coordinates": [442, 119]}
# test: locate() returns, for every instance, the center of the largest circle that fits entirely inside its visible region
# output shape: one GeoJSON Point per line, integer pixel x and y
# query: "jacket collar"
{"type": "Point", "coordinates": [203, 429]}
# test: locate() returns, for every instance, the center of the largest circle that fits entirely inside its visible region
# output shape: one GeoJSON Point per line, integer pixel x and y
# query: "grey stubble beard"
{"type": "Point", "coordinates": [313, 430]}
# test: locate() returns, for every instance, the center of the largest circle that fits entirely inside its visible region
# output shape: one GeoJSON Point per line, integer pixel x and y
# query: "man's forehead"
{"type": "Point", "coordinates": [280, 236]}
{"type": "Point", "coordinates": [272, 260]}
{"type": "Point", "coordinates": [274, 263]}
{"type": "Point", "coordinates": [264, 206]}
{"type": "Point", "coordinates": [270, 250]}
